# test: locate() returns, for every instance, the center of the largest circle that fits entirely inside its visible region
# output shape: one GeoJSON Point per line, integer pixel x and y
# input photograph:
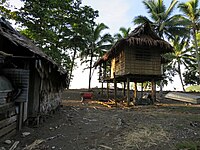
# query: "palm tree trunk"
{"type": "Point", "coordinates": [180, 76]}
{"type": "Point", "coordinates": [72, 66]}
{"type": "Point", "coordinates": [197, 52]}
{"type": "Point", "coordinates": [90, 73]}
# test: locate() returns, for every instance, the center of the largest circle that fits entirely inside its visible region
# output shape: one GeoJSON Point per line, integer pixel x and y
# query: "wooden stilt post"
{"type": "Point", "coordinates": [115, 90]}
{"type": "Point", "coordinates": [101, 88]}
{"type": "Point", "coordinates": [124, 92]}
{"type": "Point", "coordinates": [108, 88]}
{"type": "Point", "coordinates": [128, 91]}
{"type": "Point", "coordinates": [135, 90]}
{"type": "Point", "coordinates": [153, 91]}
{"type": "Point", "coordinates": [142, 90]}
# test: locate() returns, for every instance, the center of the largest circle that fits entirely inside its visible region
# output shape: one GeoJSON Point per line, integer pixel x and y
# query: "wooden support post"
{"type": "Point", "coordinates": [115, 90]}
{"type": "Point", "coordinates": [135, 90]}
{"type": "Point", "coordinates": [153, 91]}
{"type": "Point", "coordinates": [20, 116]}
{"type": "Point", "coordinates": [124, 90]}
{"type": "Point", "coordinates": [101, 88]}
{"type": "Point", "coordinates": [128, 91]}
{"type": "Point", "coordinates": [108, 89]}
{"type": "Point", "coordinates": [142, 89]}
{"type": "Point", "coordinates": [104, 70]}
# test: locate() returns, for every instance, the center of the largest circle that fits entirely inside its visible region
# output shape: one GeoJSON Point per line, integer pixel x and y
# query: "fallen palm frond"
{"type": "Point", "coordinates": [108, 104]}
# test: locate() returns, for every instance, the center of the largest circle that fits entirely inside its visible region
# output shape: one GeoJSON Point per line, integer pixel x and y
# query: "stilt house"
{"type": "Point", "coordinates": [31, 83]}
{"type": "Point", "coordinates": [136, 58]}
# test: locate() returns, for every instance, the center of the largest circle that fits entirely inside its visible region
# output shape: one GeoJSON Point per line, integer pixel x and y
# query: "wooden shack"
{"type": "Point", "coordinates": [136, 58]}
{"type": "Point", "coordinates": [37, 81]}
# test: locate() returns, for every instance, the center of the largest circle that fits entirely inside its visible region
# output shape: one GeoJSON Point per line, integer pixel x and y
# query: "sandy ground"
{"type": "Point", "coordinates": [92, 126]}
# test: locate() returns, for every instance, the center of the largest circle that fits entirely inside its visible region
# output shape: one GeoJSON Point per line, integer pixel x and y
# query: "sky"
{"type": "Point", "coordinates": [115, 14]}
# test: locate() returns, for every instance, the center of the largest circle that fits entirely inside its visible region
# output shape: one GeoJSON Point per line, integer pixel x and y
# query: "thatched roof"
{"type": "Point", "coordinates": [7, 31]}
{"type": "Point", "coordinates": [142, 38]}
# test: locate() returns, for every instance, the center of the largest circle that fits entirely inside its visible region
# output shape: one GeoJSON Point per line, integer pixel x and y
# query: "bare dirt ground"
{"type": "Point", "coordinates": [92, 126]}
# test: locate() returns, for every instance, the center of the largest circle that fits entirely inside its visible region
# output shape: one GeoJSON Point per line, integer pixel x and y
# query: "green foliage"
{"type": "Point", "coordinates": [162, 20]}
{"type": "Point", "coordinates": [191, 14]}
{"type": "Point", "coordinates": [98, 43]}
{"type": "Point", "coordinates": [123, 32]}
{"type": "Point", "coordinates": [97, 46]}
{"type": "Point", "coordinates": [188, 145]}
{"type": "Point", "coordinates": [5, 10]}
{"type": "Point", "coordinates": [59, 27]}
{"type": "Point", "coordinates": [198, 39]}
{"type": "Point", "coordinates": [182, 56]}
{"type": "Point", "coordinates": [191, 76]}
{"type": "Point", "coordinates": [193, 88]}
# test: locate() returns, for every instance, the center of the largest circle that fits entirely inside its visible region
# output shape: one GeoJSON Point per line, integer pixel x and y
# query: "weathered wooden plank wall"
{"type": "Point", "coordinates": [49, 90]}
{"type": "Point", "coordinates": [8, 120]}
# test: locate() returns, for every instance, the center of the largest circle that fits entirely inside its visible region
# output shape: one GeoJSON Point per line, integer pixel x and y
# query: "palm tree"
{"type": "Point", "coordinates": [180, 56]}
{"type": "Point", "coordinates": [123, 33]}
{"type": "Point", "coordinates": [97, 46]}
{"type": "Point", "coordinates": [191, 15]}
{"type": "Point", "coordinates": [163, 22]}
{"type": "Point", "coordinates": [161, 18]}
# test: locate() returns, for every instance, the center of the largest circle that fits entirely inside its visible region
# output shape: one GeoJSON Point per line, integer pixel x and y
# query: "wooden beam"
{"type": "Point", "coordinates": [8, 135]}
{"type": "Point", "coordinates": [115, 90]}
{"type": "Point", "coordinates": [101, 88]}
{"type": "Point", "coordinates": [153, 90]}
{"type": "Point", "coordinates": [124, 90]}
{"type": "Point", "coordinates": [128, 91]}
{"type": "Point", "coordinates": [20, 116]}
{"type": "Point", "coordinates": [8, 129]}
{"type": "Point", "coordinates": [5, 107]}
{"type": "Point", "coordinates": [108, 89]}
{"type": "Point", "coordinates": [142, 89]}
{"type": "Point", "coordinates": [135, 90]}
{"type": "Point", "coordinates": [8, 121]}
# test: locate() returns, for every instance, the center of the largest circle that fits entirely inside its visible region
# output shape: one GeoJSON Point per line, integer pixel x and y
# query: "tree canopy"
{"type": "Point", "coordinates": [58, 27]}
{"type": "Point", "coordinates": [162, 19]}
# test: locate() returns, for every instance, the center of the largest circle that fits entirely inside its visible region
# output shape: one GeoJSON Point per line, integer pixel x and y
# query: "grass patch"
{"type": "Point", "coordinates": [188, 145]}
{"type": "Point", "coordinates": [144, 137]}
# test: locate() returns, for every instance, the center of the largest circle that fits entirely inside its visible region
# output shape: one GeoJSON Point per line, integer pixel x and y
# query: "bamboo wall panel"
{"type": "Point", "coordinates": [145, 62]}
{"type": "Point", "coordinates": [120, 64]}
{"type": "Point", "coordinates": [136, 61]}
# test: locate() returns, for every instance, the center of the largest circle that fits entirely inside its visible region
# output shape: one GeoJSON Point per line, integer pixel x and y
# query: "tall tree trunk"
{"type": "Point", "coordinates": [180, 76]}
{"type": "Point", "coordinates": [90, 73]}
{"type": "Point", "coordinates": [197, 51]}
{"type": "Point", "coordinates": [72, 66]}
